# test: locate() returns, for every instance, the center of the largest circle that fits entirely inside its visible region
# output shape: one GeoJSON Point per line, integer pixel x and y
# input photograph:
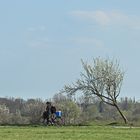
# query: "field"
{"type": "Point", "coordinates": [68, 133]}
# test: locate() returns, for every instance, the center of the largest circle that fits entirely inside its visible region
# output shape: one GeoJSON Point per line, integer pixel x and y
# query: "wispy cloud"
{"type": "Point", "coordinates": [37, 36]}
{"type": "Point", "coordinates": [40, 43]}
{"type": "Point", "coordinates": [88, 42]}
{"type": "Point", "coordinates": [105, 18]}
{"type": "Point", "coordinates": [98, 16]}
{"type": "Point", "coordinates": [38, 28]}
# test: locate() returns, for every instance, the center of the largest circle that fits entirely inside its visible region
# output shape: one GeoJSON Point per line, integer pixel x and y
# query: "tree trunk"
{"type": "Point", "coordinates": [122, 115]}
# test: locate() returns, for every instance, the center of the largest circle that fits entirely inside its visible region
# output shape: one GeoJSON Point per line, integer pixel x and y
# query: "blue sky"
{"type": "Point", "coordinates": [42, 43]}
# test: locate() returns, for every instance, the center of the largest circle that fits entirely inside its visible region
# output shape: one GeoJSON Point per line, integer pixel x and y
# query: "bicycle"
{"type": "Point", "coordinates": [53, 119]}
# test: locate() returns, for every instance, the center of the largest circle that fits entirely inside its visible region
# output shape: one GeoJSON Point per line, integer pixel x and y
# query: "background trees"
{"type": "Point", "coordinates": [33, 109]}
{"type": "Point", "coordinates": [70, 109]}
{"type": "Point", "coordinates": [4, 114]}
{"type": "Point", "coordinates": [79, 111]}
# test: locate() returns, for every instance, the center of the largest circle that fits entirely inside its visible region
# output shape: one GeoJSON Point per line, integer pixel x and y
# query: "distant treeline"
{"type": "Point", "coordinates": [83, 110]}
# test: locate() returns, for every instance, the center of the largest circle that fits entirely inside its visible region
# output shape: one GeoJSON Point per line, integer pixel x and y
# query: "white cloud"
{"type": "Point", "coordinates": [105, 18]}
{"type": "Point", "coordinates": [98, 16]}
{"type": "Point", "coordinates": [84, 41]}
{"type": "Point", "coordinates": [38, 43]}
{"type": "Point", "coordinates": [36, 37]}
{"type": "Point", "coordinates": [38, 28]}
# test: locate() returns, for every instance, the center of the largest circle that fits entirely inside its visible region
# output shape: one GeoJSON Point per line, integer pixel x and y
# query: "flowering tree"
{"type": "Point", "coordinates": [102, 78]}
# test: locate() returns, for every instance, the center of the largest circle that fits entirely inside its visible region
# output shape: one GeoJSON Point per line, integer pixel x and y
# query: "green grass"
{"type": "Point", "coordinates": [68, 133]}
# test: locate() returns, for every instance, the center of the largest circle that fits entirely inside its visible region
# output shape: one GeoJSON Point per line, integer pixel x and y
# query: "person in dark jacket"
{"type": "Point", "coordinates": [47, 112]}
{"type": "Point", "coordinates": [53, 113]}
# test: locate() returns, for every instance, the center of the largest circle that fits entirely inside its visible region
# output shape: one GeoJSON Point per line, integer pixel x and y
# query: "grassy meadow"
{"type": "Point", "coordinates": [68, 133]}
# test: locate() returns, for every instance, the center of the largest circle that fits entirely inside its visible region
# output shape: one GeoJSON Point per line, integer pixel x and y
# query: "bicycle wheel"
{"type": "Point", "coordinates": [59, 122]}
